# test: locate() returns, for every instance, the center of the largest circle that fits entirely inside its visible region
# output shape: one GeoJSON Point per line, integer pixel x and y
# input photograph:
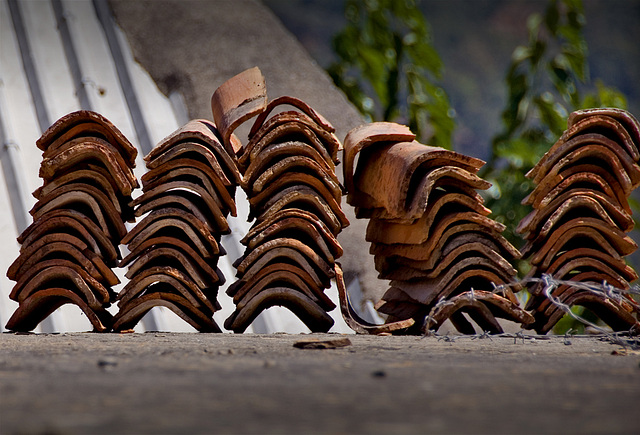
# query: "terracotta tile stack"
{"type": "Point", "coordinates": [68, 251]}
{"type": "Point", "coordinates": [577, 229]}
{"type": "Point", "coordinates": [189, 191]}
{"type": "Point", "coordinates": [429, 231]}
{"type": "Point", "coordinates": [288, 168]}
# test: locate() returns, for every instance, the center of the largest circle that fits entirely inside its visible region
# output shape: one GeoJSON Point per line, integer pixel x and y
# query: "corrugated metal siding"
{"type": "Point", "coordinates": [59, 56]}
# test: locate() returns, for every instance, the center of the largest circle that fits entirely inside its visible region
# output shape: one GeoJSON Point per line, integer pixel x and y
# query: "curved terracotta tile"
{"type": "Point", "coordinates": [188, 201]}
{"type": "Point", "coordinates": [282, 278]}
{"type": "Point", "coordinates": [110, 280]}
{"type": "Point", "coordinates": [588, 154]}
{"type": "Point", "coordinates": [89, 261]}
{"type": "Point", "coordinates": [566, 270]}
{"type": "Point", "coordinates": [317, 245]}
{"type": "Point", "coordinates": [58, 271]}
{"type": "Point", "coordinates": [105, 146]}
{"type": "Point", "coordinates": [277, 152]}
{"type": "Point", "coordinates": [85, 153]}
{"type": "Point", "coordinates": [192, 175]}
{"type": "Point", "coordinates": [626, 119]}
{"type": "Point", "coordinates": [278, 245]}
{"type": "Point", "coordinates": [617, 263]}
{"type": "Point", "coordinates": [311, 314]}
{"type": "Point", "coordinates": [406, 195]}
{"type": "Point", "coordinates": [561, 149]}
{"type": "Point", "coordinates": [50, 237]}
{"type": "Point", "coordinates": [178, 187]}
{"type": "Point", "coordinates": [321, 193]}
{"type": "Point", "coordinates": [82, 197]}
{"type": "Point", "coordinates": [571, 204]}
{"type": "Point", "coordinates": [400, 268]}
{"type": "Point", "coordinates": [294, 102]}
{"type": "Point", "coordinates": [192, 151]}
{"type": "Point", "coordinates": [177, 224]}
{"type": "Point", "coordinates": [447, 185]}
{"type": "Point", "coordinates": [605, 308]}
{"type": "Point", "coordinates": [444, 229]}
{"type": "Point", "coordinates": [364, 136]}
{"type": "Point", "coordinates": [236, 100]}
{"type": "Point", "coordinates": [544, 193]}
{"type": "Point", "coordinates": [325, 186]}
{"type": "Point", "coordinates": [399, 307]}
{"type": "Point", "coordinates": [200, 132]}
{"type": "Point", "coordinates": [166, 256]}
{"type": "Point", "coordinates": [288, 164]}
{"type": "Point", "coordinates": [354, 321]}
{"type": "Point", "coordinates": [92, 292]}
{"type": "Point", "coordinates": [444, 206]}
{"type": "Point", "coordinates": [255, 274]}
{"type": "Point", "coordinates": [616, 124]}
{"type": "Point", "coordinates": [41, 304]}
{"type": "Point", "coordinates": [91, 178]}
{"type": "Point", "coordinates": [426, 290]}
{"type": "Point", "coordinates": [75, 223]}
{"type": "Point", "coordinates": [289, 118]}
{"type": "Point", "coordinates": [607, 238]}
{"type": "Point", "coordinates": [34, 271]}
{"type": "Point", "coordinates": [166, 279]}
{"type": "Point", "coordinates": [398, 163]}
{"type": "Point", "coordinates": [131, 313]}
{"type": "Point", "coordinates": [85, 123]}
{"type": "Point", "coordinates": [285, 254]}
{"type": "Point", "coordinates": [285, 132]}
{"type": "Point", "coordinates": [225, 193]}
{"type": "Point", "coordinates": [542, 307]}
{"type": "Point", "coordinates": [480, 301]}
{"type": "Point", "coordinates": [305, 198]}
{"type": "Point", "coordinates": [194, 252]}
{"type": "Point", "coordinates": [314, 232]}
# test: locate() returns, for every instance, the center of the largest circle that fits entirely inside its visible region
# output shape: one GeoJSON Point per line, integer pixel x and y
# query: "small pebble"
{"type": "Point", "coordinates": [107, 363]}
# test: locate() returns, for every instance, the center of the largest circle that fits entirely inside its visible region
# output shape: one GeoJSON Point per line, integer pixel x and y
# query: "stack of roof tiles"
{"type": "Point", "coordinates": [68, 251]}
{"type": "Point", "coordinates": [429, 231]}
{"type": "Point", "coordinates": [288, 168]}
{"type": "Point", "coordinates": [189, 191]}
{"type": "Point", "coordinates": [581, 214]}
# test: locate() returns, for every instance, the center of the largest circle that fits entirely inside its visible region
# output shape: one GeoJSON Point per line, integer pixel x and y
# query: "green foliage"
{"type": "Point", "coordinates": [545, 83]}
{"type": "Point", "coordinates": [569, 325]}
{"type": "Point", "coordinates": [388, 68]}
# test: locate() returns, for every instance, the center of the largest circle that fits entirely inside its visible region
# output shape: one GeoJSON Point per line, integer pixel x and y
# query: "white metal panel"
{"type": "Point", "coordinates": [19, 118]}
{"type": "Point", "coordinates": [52, 69]}
{"type": "Point", "coordinates": [98, 69]}
{"type": "Point", "coordinates": [10, 250]}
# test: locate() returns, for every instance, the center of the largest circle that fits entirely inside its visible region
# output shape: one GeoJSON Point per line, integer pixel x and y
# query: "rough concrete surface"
{"type": "Point", "coordinates": [234, 384]}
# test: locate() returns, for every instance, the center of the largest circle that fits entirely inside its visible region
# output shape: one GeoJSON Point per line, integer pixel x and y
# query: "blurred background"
{"type": "Point", "coordinates": [475, 40]}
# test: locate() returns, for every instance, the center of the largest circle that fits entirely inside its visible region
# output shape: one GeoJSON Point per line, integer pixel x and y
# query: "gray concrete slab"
{"type": "Point", "coordinates": [165, 383]}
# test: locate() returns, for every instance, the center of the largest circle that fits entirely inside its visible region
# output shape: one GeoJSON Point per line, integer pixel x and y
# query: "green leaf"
{"type": "Point", "coordinates": [552, 18]}
{"type": "Point", "coordinates": [386, 50]}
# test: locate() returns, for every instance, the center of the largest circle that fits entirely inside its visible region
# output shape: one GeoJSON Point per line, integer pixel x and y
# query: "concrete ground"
{"type": "Point", "coordinates": [164, 383]}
